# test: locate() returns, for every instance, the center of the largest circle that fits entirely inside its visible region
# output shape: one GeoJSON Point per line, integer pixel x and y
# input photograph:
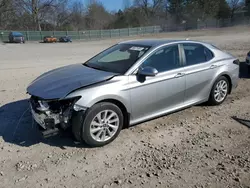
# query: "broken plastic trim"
{"type": "Point", "coordinates": [50, 117]}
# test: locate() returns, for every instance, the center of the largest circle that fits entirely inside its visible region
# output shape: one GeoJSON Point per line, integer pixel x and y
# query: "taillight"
{"type": "Point", "coordinates": [236, 62]}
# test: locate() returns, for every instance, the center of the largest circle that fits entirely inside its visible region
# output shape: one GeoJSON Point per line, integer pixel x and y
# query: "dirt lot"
{"type": "Point", "coordinates": [198, 147]}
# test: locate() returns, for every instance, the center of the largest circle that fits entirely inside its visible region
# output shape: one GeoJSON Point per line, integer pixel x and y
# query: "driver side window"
{"type": "Point", "coordinates": [164, 59]}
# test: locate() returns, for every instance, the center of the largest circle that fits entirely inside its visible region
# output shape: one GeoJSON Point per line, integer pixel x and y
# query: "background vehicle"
{"type": "Point", "coordinates": [129, 83]}
{"type": "Point", "coordinates": [16, 37]}
{"type": "Point", "coordinates": [248, 61]}
{"type": "Point", "coordinates": [65, 39]}
{"type": "Point", "coordinates": [49, 39]}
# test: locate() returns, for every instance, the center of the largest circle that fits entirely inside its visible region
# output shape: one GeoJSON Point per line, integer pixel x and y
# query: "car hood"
{"type": "Point", "coordinates": [59, 82]}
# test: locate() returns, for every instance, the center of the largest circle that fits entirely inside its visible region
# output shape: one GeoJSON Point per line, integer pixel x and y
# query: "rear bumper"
{"type": "Point", "coordinates": [235, 77]}
{"type": "Point", "coordinates": [17, 40]}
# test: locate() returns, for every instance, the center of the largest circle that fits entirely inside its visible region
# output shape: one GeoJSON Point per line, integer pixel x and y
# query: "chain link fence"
{"type": "Point", "coordinates": [85, 35]}
{"type": "Point", "coordinates": [209, 23]}
{"type": "Point", "coordinates": [118, 33]}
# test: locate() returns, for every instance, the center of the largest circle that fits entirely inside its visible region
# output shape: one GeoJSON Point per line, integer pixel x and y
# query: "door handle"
{"type": "Point", "coordinates": [213, 66]}
{"type": "Point", "coordinates": [180, 74]}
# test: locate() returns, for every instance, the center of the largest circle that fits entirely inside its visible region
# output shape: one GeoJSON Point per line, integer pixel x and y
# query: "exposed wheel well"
{"type": "Point", "coordinates": [125, 113]}
{"type": "Point", "coordinates": [230, 82]}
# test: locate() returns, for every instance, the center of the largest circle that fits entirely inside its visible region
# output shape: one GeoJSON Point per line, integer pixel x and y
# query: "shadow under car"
{"type": "Point", "coordinates": [18, 127]}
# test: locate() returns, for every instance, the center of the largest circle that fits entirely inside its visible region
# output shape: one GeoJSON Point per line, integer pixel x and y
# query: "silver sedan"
{"type": "Point", "coordinates": [129, 83]}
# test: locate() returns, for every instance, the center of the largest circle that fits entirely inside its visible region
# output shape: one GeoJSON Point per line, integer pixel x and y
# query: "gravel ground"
{"type": "Point", "coordinates": [198, 147]}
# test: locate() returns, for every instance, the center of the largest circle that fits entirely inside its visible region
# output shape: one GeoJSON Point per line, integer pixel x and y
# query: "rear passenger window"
{"type": "Point", "coordinates": [196, 53]}
{"type": "Point", "coordinates": [209, 54]}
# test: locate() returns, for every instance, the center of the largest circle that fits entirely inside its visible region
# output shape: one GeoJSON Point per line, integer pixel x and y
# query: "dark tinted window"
{"type": "Point", "coordinates": [164, 59]}
{"type": "Point", "coordinates": [209, 54]}
{"type": "Point", "coordinates": [196, 53]}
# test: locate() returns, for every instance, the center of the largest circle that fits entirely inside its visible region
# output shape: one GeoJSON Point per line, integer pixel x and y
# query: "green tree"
{"type": "Point", "coordinates": [176, 9]}
{"type": "Point", "coordinates": [97, 17]}
{"type": "Point", "coordinates": [6, 13]}
{"type": "Point", "coordinates": [223, 10]}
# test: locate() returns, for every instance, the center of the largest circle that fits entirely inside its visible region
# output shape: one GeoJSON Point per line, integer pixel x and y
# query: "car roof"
{"type": "Point", "coordinates": [156, 42]}
{"type": "Point", "coordinates": [16, 33]}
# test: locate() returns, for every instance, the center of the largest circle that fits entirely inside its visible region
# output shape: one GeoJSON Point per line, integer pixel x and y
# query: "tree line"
{"type": "Point", "coordinates": [92, 14]}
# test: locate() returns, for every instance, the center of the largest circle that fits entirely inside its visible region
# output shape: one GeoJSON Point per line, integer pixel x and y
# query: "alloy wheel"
{"type": "Point", "coordinates": [104, 125]}
{"type": "Point", "coordinates": [220, 91]}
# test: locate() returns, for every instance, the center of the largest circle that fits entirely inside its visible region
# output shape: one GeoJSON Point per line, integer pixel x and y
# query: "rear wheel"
{"type": "Point", "coordinates": [100, 125]}
{"type": "Point", "coordinates": [219, 91]}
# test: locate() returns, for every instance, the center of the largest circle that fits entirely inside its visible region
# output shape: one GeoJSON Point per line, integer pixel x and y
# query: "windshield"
{"type": "Point", "coordinates": [118, 58]}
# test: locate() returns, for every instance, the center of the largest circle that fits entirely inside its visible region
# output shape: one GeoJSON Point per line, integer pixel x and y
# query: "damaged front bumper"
{"type": "Point", "coordinates": [53, 115]}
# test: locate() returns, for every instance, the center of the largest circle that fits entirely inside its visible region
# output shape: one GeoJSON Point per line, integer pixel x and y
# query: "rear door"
{"type": "Point", "coordinates": [199, 71]}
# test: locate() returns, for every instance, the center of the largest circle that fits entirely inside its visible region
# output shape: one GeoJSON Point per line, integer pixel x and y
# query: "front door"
{"type": "Point", "coordinates": [164, 92]}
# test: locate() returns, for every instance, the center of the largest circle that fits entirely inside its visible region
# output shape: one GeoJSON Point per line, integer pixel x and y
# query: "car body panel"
{"type": "Point", "coordinates": [155, 96]}
{"type": "Point", "coordinates": [58, 83]}
{"type": "Point", "coordinates": [113, 89]}
{"type": "Point", "coordinates": [200, 77]}
{"type": "Point", "coordinates": [147, 99]}
{"type": "Point", "coordinates": [198, 80]}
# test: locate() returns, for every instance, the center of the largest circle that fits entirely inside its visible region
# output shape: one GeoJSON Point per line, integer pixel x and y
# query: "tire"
{"type": "Point", "coordinates": [212, 98]}
{"type": "Point", "coordinates": [82, 124]}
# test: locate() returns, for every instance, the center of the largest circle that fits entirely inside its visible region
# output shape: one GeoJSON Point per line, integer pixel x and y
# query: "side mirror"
{"type": "Point", "coordinates": [147, 71]}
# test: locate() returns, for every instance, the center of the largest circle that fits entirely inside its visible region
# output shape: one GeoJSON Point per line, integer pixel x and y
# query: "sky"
{"type": "Point", "coordinates": [113, 4]}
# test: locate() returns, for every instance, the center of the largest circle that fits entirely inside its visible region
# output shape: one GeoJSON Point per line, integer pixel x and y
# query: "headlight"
{"type": "Point", "coordinates": [43, 106]}
{"type": "Point", "coordinates": [78, 108]}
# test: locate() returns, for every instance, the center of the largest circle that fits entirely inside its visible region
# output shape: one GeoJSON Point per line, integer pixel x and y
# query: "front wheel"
{"type": "Point", "coordinates": [100, 125]}
{"type": "Point", "coordinates": [219, 91]}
